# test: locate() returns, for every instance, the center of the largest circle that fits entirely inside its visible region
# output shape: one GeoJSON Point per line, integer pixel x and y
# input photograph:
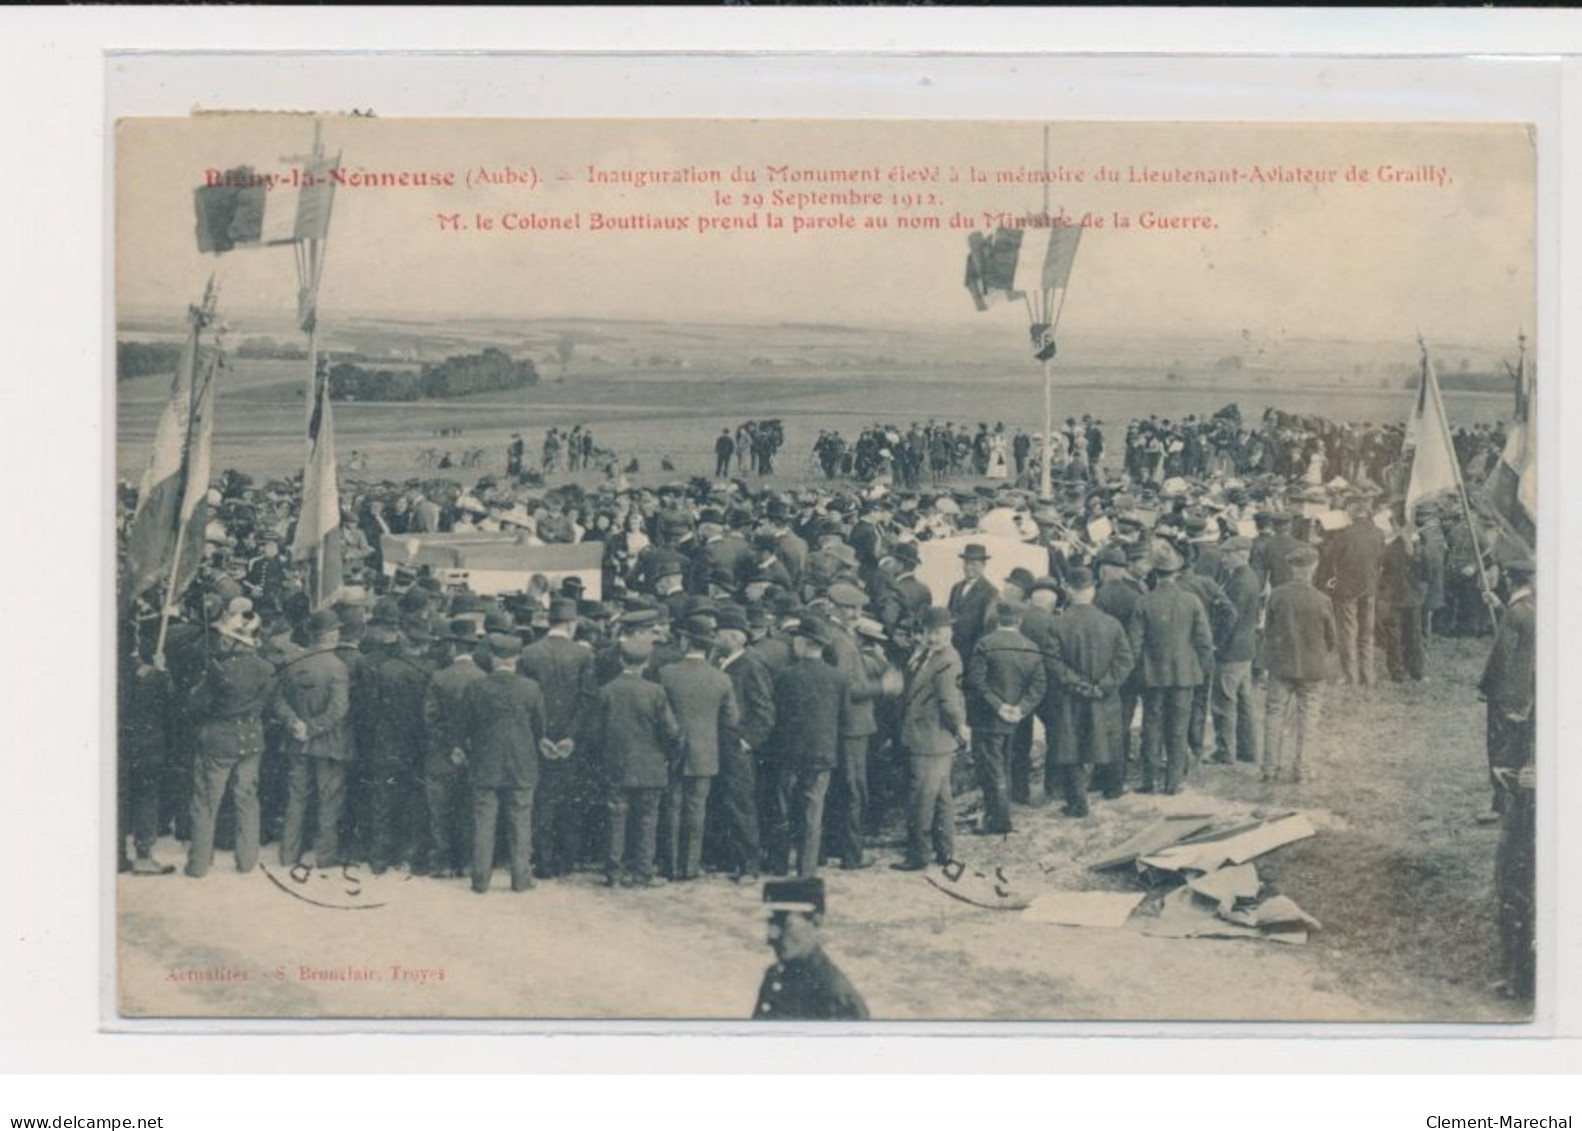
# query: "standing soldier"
{"type": "Point", "coordinates": [395, 685]}
{"type": "Point", "coordinates": [1236, 729]}
{"type": "Point", "coordinates": [634, 731]}
{"type": "Point", "coordinates": [230, 701]}
{"type": "Point", "coordinates": [505, 723]}
{"type": "Point", "coordinates": [1174, 647]}
{"type": "Point", "coordinates": [1005, 683]}
{"type": "Point", "coordinates": [445, 791]}
{"type": "Point", "coordinates": [812, 714]}
{"type": "Point", "coordinates": [933, 728]}
{"type": "Point", "coordinates": [740, 751]}
{"type": "Point", "coordinates": [312, 705]}
{"type": "Point", "coordinates": [145, 722]}
{"type": "Point", "coordinates": [562, 666]}
{"type": "Point", "coordinates": [1121, 591]}
{"type": "Point", "coordinates": [1403, 577]}
{"type": "Point", "coordinates": [1299, 638]}
{"type": "Point", "coordinates": [1089, 656]}
{"type": "Point", "coordinates": [704, 703]}
{"type": "Point", "coordinates": [1509, 683]}
{"type": "Point", "coordinates": [803, 984]}
{"type": "Point", "coordinates": [1350, 575]}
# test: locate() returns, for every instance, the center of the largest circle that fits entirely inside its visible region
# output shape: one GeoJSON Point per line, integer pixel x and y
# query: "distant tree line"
{"type": "Point", "coordinates": [461, 376]}
{"type": "Point", "coordinates": [139, 359]}
{"type": "Point", "coordinates": [272, 350]}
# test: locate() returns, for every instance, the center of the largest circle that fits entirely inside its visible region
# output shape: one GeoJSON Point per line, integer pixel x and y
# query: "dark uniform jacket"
{"type": "Point", "coordinates": [635, 732]}
{"type": "Point", "coordinates": [1510, 677]}
{"type": "Point", "coordinates": [915, 597]}
{"type": "Point", "coordinates": [1243, 590]}
{"type": "Point", "coordinates": [862, 673]}
{"type": "Point", "coordinates": [704, 704]}
{"type": "Point", "coordinates": [808, 989]}
{"type": "Point", "coordinates": [445, 712]}
{"type": "Point", "coordinates": [1221, 612]}
{"type": "Point", "coordinates": [933, 708]}
{"type": "Point", "coordinates": [505, 720]}
{"type": "Point", "coordinates": [1299, 632]}
{"type": "Point", "coordinates": [1403, 575]}
{"type": "Point", "coordinates": [755, 700]}
{"type": "Point", "coordinates": [1351, 560]}
{"type": "Point", "coordinates": [1006, 669]}
{"type": "Point", "coordinates": [812, 712]}
{"type": "Point", "coordinates": [1171, 637]}
{"type": "Point", "coordinates": [394, 688]}
{"type": "Point", "coordinates": [1276, 558]}
{"type": "Point", "coordinates": [314, 688]}
{"type": "Point", "coordinates": [230, 704]}
{"type": "Point", "coordinates": [773, 651]}
{"type": "Point", "coordinates": [563, 670]}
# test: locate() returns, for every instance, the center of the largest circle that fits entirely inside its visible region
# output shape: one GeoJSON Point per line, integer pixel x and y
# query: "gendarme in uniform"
{"type": "Point", "coordinates": [804, 985]}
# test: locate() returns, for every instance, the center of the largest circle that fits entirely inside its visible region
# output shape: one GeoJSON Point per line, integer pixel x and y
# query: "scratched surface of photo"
{"type": "Point", "coordinates": [824, 570]}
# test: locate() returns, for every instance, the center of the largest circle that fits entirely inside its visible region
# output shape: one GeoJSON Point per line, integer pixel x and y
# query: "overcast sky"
{"type": "Point", "coordinates": [1337, 260]}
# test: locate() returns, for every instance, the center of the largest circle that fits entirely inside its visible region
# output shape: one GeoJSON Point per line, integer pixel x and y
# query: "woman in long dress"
{"type": "Point", "coordinates": [999, 468]}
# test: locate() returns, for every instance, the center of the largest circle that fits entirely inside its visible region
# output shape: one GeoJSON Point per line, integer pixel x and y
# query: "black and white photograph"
{"type": "Point", "coordinates": [829, 570]}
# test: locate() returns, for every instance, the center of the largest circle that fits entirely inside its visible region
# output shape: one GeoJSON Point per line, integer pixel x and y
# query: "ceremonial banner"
{"type": "Point", "coordinates": [318, 537]}
{"type": "Point", "coordinates": [1435, 468]}
{"type": "Point", "coordinates": [244, 207]}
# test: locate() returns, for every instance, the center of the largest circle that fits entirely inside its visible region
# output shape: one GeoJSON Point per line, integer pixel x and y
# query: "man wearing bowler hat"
{"type": "Point", "coordinates": [445, 759]}
{"type": "Point", "coordinates": [812, 713]}
{"type": "Point", "coordinates": [1089, 656]}
{"type": "Point", "coordinates": [972, 600]}
{"type": "Point", "coordinates": [704, 704]}
{"type": "Point", "coordinates": [803, 984]}
{"type": "Point", "coordinates": [505, 723]}
{"type": "Point", "coordinates": [393, 686]}
{"type": "Point", "coordinates": [562, 667]}
{"type": "Point", "coordinates": [1005, 684]}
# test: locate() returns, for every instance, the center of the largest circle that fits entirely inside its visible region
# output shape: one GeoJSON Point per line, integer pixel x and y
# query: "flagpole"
{"type": "Point", "coordinates": [1044, 472]}
{"type": "Point", "coordinates": [198, 315]}
{"type": "Point", "coordinates": [1461, 487]}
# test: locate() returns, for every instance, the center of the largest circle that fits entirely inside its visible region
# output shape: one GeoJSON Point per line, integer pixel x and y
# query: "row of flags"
{"type": "Point", "coordinates": [238, 210]}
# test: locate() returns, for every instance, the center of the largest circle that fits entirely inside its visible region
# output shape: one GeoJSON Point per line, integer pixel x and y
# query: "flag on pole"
{"type": "Point", "coordinates": [1015, 262]}
{"type": "Point", "coordinates": [1434, 465]}
{"type": "Point", "coordinates": [170, 516]}
{"type": "Point", "coordinates": [318, 536]}
{"type": "Point", "coordinates": [246, 208]}
{"type": "Point", "coordinates": [1512, 486]}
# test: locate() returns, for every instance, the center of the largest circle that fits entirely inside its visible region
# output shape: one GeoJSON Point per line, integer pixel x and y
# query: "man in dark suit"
{"type": "Point", "coordinates": [635, 734]}
{"type": "Point", "coordinates": [562, 666]}
{"type": "Point", "coordinates": [971, 600]}
{"type": "Point", "coordinates": [1221, 618]}
{"type": "Point", "coordinates": [812, 713]}
{"type": "Point", "coordinates": [1089, 656]}
{"type": "Point", "coordinates": [704, 703]}
{"type": "Point", "coordinates": [1509, 683]}
{"type": "Point", "coordinates": [1403, 580]}
{"type": "Point", "coordinates": [933, 727]}
{"type": "Point", "coordinates": [1005, 683]}
{"type": "Point", "coordinates": [1122, 571]}
{"type": "Point", "coordinates": [1349, 573]}
{"type": "Point", "coordinates": [311, 705]}
{"type": "Point", "coordinates": [1299, 637]}
{"type": "Point", "coordinates": [915, 596]}
{"type": "Point", "coordinates": [505, 723]}
{"type": "Point", "coordinates": [394, 686]}
{"type": "Point", "coordinates": [741, 747]}
{"type": "Point", "coordinates": [1236, 724]}
{"type": "Point", "coordinates": [445, 792]}
{"type": "Point", "coordinates": [724, 449]}
{"type": "Point", "coordinates": [1174, 647]}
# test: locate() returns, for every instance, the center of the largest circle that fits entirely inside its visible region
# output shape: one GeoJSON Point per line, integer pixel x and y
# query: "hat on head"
{"type": "Point", "coordinates": [1111, 555]}
{"type": "Point", "coordinates": [732, 616]}
{"type": "Point", "coordinates": [906, 553]}
{"type": "Point", "coordinates": [1280, 519]}
{"type": "Point", "coordinates": [699, 630]}
{"type": "Point", "coordinates": [1165, 559]}
{"type": "Point", "coordinates": [757, 617]}
{"type": "Point", "coordinates": [1302, 556]}
{"type": "Point", "coordinates": [354, 595]}
{"type": "Point", "coordinates": [636, 649]}
{"type": "Point", "coordinates": [667, 568]}
{"type": "Point", "coordinates": [417, 629]}
{"type": "Point", "coordinates": [1047, 584]}
{"type": "Point", "coordinates": [811, 628]}
{"type": "Point", "coordinates": [639, 618]}
{"type": "Point", "coordinates": [974, 552]}
{"type": "Point", "coordinates": [847, 596]}
{"type": "Point", "coordinates": [803, 894]}
{"type": "Point", "coordinates": [1079, 577]}
{"type": "Point", "coordinates": [872, 629]}
{"type": "Point", "coordinates": [504, 645]}
{"type": "Point", "coordinates": [322, 623]}
{"type": "Point", "coordinates": [1236, 546]}
{"type": "Point", "coordinates": [935, 617]}
{"type": "Point", "coordinates": [844, 554]}
{"type": "Point", "coordinates": [1007, 612]}
{"type": "Point", "coordinates": [464, 630]}
{"type": "Point", "coordinates": [562, 610]}
{"type": "Point", "coordinates": [1022, 578]}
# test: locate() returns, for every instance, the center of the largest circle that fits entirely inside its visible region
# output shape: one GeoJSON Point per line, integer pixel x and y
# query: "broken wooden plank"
{"type": "Point", "coordinates": [1161, 834]}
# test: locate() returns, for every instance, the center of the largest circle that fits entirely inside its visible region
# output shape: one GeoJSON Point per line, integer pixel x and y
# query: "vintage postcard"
{"type": "Point", "coordinates": [825, 570]}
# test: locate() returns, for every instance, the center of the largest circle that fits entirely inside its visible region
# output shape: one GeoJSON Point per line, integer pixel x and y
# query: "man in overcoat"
{"type": "Point", "coordinates": [1090, 656]}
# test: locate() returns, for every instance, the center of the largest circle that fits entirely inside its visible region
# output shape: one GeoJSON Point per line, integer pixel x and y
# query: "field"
{"type": "Point", "coordinates": [660, 392]}
{"type": "Point", "coordinates": [1399, 873]}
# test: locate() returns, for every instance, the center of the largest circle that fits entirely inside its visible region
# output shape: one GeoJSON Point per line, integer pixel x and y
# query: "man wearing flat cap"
{"type": "Point", "coordinates": [1236, 722]}
{"type": "Point", "coordinates": [312, 705]}
{"type": "Point", "coordinates": [1175, 650]}
{"type": "Point", "coordinates": [867, 679]}
{"type": "Point", "coordinates": [933, 727]}
{"type": "Point", "coordinates": [803, 984]}
{"type": "Point", "coordinates": [505, 724]}
{"type": "Point", "coordinates": [704, 703]}
{"type": "Point", "coordinates": [1299, 639]}
{"type": "Point", "coordinates": [971, 600]}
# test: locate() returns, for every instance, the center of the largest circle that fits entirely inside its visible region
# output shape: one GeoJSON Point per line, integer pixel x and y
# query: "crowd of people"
{"type": "Point", "coordinates": [753, 447]}
{"type": "Point", "coordinates": [763, 682]}
{"type": "Point", "coordinates": [572, 451]}
{"type": "Point", "coordinates": [936, 452]}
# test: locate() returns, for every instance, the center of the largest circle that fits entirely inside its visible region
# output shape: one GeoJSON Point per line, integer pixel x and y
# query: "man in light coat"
{"type": "Point", "coordinates": [933, 728]}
